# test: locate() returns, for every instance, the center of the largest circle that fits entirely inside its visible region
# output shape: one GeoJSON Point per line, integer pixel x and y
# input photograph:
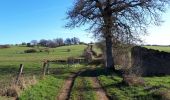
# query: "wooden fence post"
{"type": "Point", "coordinates": [19, 73]}
{"type": "Point", "coordinates": [44, 68]}
{"type": "Point", "coordinates": [48, 65]}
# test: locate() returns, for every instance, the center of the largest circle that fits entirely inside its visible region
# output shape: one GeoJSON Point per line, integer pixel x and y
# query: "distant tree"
{"type": "Point", "coordinates": [29, 45]}
{"type": "Point", "coordinates": [23, 43]}
{"type": "Point", "coordinates": [43, 42]}
{"type": "Point", "coordinates": [119, 20]}
{"type": "Point", "coordinates": [75, 40]}
{"type": "Point", "coordinates": [58, 41]}
{"type": "Point", "coordinates": [34, 42]}
{"type": "Point", "coordinates": [83, 43]}
{"type": "Point", "coordinates": [51, 44]}
{"type": "Point", "coordinates": [68, 41]}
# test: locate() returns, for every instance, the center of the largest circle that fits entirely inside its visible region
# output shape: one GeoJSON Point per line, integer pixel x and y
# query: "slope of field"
{"type": "Point", "coordinates": [160, 48]}
{"type": "Point", "coordinates": [17, 53]}
{"type": "Point", "coordinates": [11, 58]}
{"type": "Point", "coordinates": [155, 88]}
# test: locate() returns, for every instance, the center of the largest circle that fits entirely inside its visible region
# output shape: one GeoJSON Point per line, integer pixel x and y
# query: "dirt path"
{"type": "Point", "coordinates": [66, 89]}
{"type": "Point", "coordinates": [101, 95]}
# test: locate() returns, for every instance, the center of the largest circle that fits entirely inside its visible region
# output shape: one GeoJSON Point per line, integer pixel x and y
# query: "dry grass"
{"type": "Point", "coordinates": [164, 94]}
{"type": "Point", "coordinates": [133, 80]}
{"type": "Point", "coordinates": [14, 90]}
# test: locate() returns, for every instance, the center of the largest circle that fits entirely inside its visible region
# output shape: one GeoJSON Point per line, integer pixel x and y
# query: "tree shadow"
{"type": "Point", "coordinates": [95, 72]}
{"type": "Point", "coordinates": [5, 70]}
{"type": "Point", "coordinates": [13, 70]}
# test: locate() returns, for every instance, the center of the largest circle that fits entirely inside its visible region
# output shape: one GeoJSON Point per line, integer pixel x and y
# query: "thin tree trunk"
{"type": "Point", "coordinates": [109, 55]}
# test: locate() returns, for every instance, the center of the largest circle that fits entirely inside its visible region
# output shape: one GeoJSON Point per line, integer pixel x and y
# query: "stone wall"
{"type": "Point", "coordinates": [149, 62]}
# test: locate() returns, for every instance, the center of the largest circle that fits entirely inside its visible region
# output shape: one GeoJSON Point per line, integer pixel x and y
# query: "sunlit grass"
{"type": "Point", "coordinates": [160, 48]}
{"type": "Point", "coordinates": [11, 58]}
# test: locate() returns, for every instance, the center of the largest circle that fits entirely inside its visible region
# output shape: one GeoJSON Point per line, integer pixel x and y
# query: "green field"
{"type": "Point", "coordinates": [34, 87]}
{"type": "Point", "coordinates": [11, 58]}
{"type": "Point", "coordinates": [50, 86]}
{"type": "Point", "coordinates": [160, 48]}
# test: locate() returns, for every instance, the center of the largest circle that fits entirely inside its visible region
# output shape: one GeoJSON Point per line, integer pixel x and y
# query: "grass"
{"type": "Point", "coordinates": [82, 89]}
{"type": "Point", "coordinates": [11, 58]}
{"type": "Point", "coordinates": [46, 89]}
{"type": "Point", "coordinates": [49, 88]}
{"type": "Point", "coordinates": [160, 48]}
{"type": "Point", "coordinates": [17, 53]}
{"type": "Point", "coordinates": [117, 90]}
{"type": "Point", "coordinates": [6, 98]}
{"type": "Point", "coordinates": [155, 87]}
{"type": "Point", "coordinates": [97, 50]}
{"type": "Point", "coordinates": [161, 82]}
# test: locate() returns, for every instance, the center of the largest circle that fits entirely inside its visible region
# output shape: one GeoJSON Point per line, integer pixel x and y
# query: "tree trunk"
{"type": "Point", "coordinates": [109, 55]}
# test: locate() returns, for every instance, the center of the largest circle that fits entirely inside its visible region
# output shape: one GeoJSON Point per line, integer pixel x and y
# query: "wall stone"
{"type": "Point", "coordinates": [149, 62]}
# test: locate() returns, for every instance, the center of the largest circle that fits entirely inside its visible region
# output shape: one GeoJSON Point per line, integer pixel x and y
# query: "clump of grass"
{"type": "Point", "coordinates": [14, 90]}
{"type": "Point", "coordinates": [133, 80]}
{"type": "Point", "coordinates": [163, 94]}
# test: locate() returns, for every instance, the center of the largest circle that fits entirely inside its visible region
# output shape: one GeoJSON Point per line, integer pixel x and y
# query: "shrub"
{"type": "Point", "coordinates": [68, 50]}
{"type": "Point", "coordinates": [30, 51]}
{"type": "Point", "coordinates": [47, 50]}
{"type": "Point", "coordinates": [29, 45]}
{"type": "Point", "coordinates": [94, 53]}
{"type": "Point", "coordinates": [133, 80]}
{"type": "Point", "coordinates": [164, 94]}
{"type": "Point", "coordinates": [4, 46]}
{"type": "Point", "coordinates": [100, 55]}
{"type": "Point", "coordinates": [70, 60]}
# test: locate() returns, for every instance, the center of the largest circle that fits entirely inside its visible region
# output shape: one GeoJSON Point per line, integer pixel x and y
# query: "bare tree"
{"type": "Point", "coordinates": [68, 41]}
{"type": "Point", "coordinates": [34, 42]}
{"type": "Point", "coordinates": [75, 40]}
{"type": "Point", "coordinates": [43, 42]}
{"type": "Point", "coordinates": [122, 20]}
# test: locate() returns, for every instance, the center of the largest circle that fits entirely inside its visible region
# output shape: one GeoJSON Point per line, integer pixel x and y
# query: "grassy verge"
{"type": "Point", "coordinates": [45, 90]}
{"type": "Point", "coordinates": [49, 87]}
{"type": "Point", "coordinates": [160, 48]}
{"type": "Point", "coordinates": [114, 87]}
{"type": "Point", "coordinates": [11, 58]}
{"type": "Point", "coordinates": [82, 89]}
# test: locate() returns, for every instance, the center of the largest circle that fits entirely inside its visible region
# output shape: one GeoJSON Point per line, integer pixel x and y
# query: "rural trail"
{"type": "Point", "coordinates": [67, 87]}
{"type": "Point", "coordinates": [100, 93]}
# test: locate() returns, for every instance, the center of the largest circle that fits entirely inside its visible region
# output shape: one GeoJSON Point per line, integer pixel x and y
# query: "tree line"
{"type": "Point", "coordinates": [54, 42]}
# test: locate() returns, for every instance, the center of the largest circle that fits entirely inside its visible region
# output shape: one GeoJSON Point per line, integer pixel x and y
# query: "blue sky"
{"type": "Point", "coordinates": [160, 34]}
{"type": "Point", "coordinates": [26, 20]}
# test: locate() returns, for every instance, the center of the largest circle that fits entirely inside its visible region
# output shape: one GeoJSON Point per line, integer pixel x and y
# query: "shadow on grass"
{"type": "Point", "coordinates": [5, 70]}
{"type": "Point", "coordinates": [95, 72]}
{"type": "Point", "coordinates": [8, 70]}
